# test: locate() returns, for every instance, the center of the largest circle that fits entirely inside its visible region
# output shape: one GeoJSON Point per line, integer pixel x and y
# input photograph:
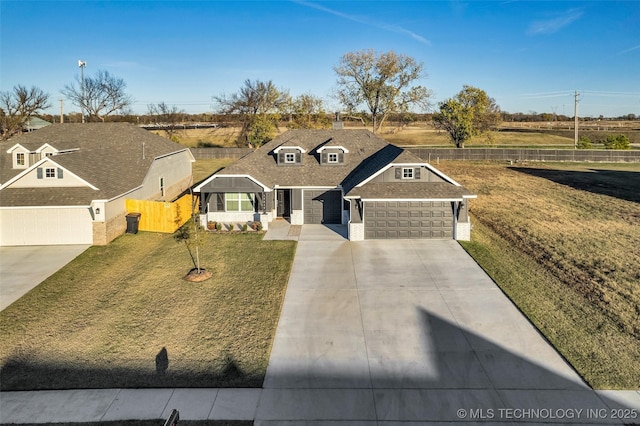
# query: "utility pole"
{"type": "Point", "coordinates": [575, 117]}
{"type": "Point", "coordinates": [82, 64]}
{"type": "Point", "coordinates": [61, 112]}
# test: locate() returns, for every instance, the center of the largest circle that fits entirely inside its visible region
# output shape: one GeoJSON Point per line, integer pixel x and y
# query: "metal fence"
{"type": "Point", "coordinates": [497, 154]}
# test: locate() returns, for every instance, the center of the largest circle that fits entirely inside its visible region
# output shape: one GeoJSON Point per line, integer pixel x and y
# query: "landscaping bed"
{"type": "Point", "coordinates": [121, 316]}
{"type": "Point", "coordinates": [561, 240]}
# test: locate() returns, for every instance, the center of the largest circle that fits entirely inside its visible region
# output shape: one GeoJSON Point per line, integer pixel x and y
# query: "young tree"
{"type": "Point", "coordinates": [167, 116]}
{"type": "Point", "coordinates": [382, 82]}
{"type": "Point", "coordinates": [255, 98]}
{"type": "Point", "coordinates": [471, 112]}
{"type": "Point", "coordinates": [101, 95]}
{"type": "Point", "coordinates": [307, 112]}
{"type": "Point", "coordinates": [17, 105]}
{"type": "Point", "coordinates": [617, 142]}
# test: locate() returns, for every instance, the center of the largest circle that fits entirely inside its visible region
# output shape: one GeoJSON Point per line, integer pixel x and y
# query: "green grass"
{"type": "Point", "coordinates": [202, 169]}
{"type": "Point", "coordinates": [121, 316]}
{"type": "Point", "coordinates": [561, 241]}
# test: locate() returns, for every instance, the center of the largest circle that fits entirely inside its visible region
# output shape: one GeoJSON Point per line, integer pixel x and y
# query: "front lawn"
{"type": "Point", "coordinates": [121, 316]}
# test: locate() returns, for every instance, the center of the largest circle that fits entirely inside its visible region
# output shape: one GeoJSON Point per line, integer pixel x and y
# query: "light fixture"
{"type": "Point", "coordinates": [98, 210]}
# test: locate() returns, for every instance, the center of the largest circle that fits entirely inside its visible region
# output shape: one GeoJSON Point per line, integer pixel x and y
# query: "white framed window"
{"type": "Point", "coordinates": [239, 202]}
{"type": "Point", "coordinates": [49, 173]}
{"type": "Point", "coordinates": [20, 159]}
{"type": "Point", "coordinates": [332, 157]}
{"type": "Point", "coordinates": [407, 173]}
{"type": "Point", "coordinates": [289, 157]}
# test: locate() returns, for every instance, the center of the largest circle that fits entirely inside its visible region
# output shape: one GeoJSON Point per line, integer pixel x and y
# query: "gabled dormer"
{"type": "Point", "coordinates": [289, 155]}
{"type": "Point", "coordinates": [46, 150]}
{"type": "Point", "coordinates": [332, 155]}
{"type": "Point", "coordinates": [20, 156]}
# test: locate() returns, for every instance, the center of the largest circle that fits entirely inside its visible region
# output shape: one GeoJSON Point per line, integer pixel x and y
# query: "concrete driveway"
{"type": "Point", "coordinates": [409, 330]}
{"type": "Point", "coordinates": [22, 268]}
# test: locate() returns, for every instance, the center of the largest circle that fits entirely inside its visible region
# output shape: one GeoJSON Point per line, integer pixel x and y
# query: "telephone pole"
{"type": "Point", "coordinates": [575, 118]}
{"type": "Point", "coordinates": [61, 112]}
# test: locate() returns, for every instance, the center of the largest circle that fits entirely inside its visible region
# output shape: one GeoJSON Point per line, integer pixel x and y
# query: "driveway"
{"type": "Point", "coordinates": [407, 330]}
{"type": "Point", "coordinates": [22, 268]}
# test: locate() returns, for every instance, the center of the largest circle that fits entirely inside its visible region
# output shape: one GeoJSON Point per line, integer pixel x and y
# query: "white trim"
{"type": "Point", "coordinates": [412, 177]}
{"type": "Point", "coordinates": [38, 164]}
{"type": "Point", "coordinates": [336, 159]}
{"type": "Point", "coordinates": [289, 157]}
{"type": "Point", "coordinates": [427, 165]}
{"type": "Point", "coordinates": [215, 176]}
{"type": "Point", "coordinates": [10, 150]}
{"type": "Point", "coordinates": [409, 199]}
{"type": "Point", "coordinates": [46, 145]}
{"type": "Point", "coordinates": [46, 207]}
{"type": "Point", "coordinates": [280, 148]}
{"type": "Point", "coordinates": [322, 148]}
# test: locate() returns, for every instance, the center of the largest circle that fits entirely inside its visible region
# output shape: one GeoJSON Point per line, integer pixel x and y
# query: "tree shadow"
{"type": "Point", "coordinates": [621, 184]}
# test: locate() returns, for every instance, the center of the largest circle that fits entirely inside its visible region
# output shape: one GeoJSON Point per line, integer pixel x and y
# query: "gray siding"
{"type": "Point", "coordinates": [231, 184]}
{"type": "Point", "coordinates": [421, 175]}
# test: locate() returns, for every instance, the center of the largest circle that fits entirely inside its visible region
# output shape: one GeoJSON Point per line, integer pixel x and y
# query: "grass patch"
{"type": "Point", "coordinates": [121, 316]}
{"type": "Point", "coordinates": [202, 169]}
{"type": "Point", "coordinates": [561, 241]}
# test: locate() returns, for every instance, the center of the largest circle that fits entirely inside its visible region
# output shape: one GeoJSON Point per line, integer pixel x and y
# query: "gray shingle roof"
{"type": "Point", "coordinates": [114, 157]}
{"type": "Point", "coordinates": [367, 154]}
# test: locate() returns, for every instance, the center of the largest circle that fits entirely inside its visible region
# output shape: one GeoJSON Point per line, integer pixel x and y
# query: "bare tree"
{"type": "Point", "coordinates": [17, 105]}
{"type": "Point", "coordinates": [103, 95]}
{"type": "Point", "coordinates": [255, 98]}
{"type": "Point", "coordinates": [381, 82]}
{"type": "Point", "coordinates": [167, 117]}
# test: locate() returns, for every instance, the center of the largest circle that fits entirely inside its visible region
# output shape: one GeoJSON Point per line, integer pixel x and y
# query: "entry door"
{"type": "Point", "coordinates": [284, 202]}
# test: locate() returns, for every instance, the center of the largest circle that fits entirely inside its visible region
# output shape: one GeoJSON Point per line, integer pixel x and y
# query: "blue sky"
{"type": "Point", "coordinates": [528, 55]}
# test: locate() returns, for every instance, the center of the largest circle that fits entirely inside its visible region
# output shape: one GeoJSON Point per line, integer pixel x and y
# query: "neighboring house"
{"type": "Point", "coordinates": [339, 177]}
{"type": "Point", "coordinates": [67, 183]}
{"type": "Point", "coordinates": [35, 123]}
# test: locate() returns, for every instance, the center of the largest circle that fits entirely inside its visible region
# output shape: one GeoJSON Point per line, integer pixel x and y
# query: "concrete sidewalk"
{"type": "Point", "coordinates": [375, 333]}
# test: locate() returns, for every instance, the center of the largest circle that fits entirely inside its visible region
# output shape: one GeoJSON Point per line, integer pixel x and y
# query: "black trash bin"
{"type": "Point", "coordinates": [133, 219]}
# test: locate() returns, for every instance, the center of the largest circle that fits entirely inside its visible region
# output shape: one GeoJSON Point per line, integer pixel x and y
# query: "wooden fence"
{"type": "Point", "coordinates": [160, 216]}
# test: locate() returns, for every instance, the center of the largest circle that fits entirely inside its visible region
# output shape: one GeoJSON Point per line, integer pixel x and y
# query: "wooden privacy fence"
{"type": "Point", "coordinates": [160, 216]}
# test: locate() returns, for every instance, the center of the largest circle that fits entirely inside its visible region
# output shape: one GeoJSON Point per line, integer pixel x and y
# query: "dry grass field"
{"type": "Point", "coordinates": [562, 242]}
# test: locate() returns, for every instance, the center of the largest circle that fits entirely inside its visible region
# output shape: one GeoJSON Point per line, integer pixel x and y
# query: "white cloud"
{"type": "Point", "coordinates": [631, 49]}
{"type": "Point", "coordinates": [552, 25]}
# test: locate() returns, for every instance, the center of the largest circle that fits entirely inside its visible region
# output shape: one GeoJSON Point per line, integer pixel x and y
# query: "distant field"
{"type": "Point", "coordinates": [422, 134]}
{"type": "Point", "coordinates": [562, 241]}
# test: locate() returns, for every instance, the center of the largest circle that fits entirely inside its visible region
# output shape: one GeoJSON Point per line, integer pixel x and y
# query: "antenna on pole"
{"type": "Point", "coordinates": [82, 64]}
{"type": "Point", "coordinates": [575, 118]}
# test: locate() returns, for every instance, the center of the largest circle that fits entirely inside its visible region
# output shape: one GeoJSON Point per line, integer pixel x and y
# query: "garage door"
{"type": "Point", "coordinates": [45, 226]}
{"type": "Point", "coordinates": [322, 206]}
{"type": "Point", "coordinates": [404, 219]}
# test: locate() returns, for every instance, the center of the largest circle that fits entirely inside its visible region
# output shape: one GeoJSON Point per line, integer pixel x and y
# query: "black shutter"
{"type": "Point", "coordinates": [60, 174]}
{"type": "Point", "coordinates": [281, 157]}
{"type": "Point", "coordinates": [398, 173]}
{"type": "Point", "coordinates": [298, 157]}
{"type": "Point", "coordinates": [341, 158]}
{"type": "Point", "coordinates": [416, 173]}
{"type": "Point", "coordinates": [325, 158]}
{"type": "Point", "coordinates": [39, 172]}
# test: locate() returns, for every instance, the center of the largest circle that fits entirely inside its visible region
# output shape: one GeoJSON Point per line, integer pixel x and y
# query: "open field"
{"type": "Point", "coordinates": [121, 316]}
{"type": "Point", "coordinates": [561, 240]}
{"type": "Point", "coordinates": [534, 135]}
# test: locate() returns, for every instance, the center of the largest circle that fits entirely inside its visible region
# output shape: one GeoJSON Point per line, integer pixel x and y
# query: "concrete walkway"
{"type": "Point", "coordinates": [375, 332]}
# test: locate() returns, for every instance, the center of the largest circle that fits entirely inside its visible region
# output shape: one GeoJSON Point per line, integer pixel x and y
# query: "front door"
{"type": "Point", "coordinates": [284, 202]}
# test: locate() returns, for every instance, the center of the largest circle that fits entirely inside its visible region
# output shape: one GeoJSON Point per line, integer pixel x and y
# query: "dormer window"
{"type": "Point", "coordinates": [332, 157]}
{"type": "Point", "coordinates": [20, 159]}
{"type": "Point", "coordinates": [332, 154]}
{"type": "Point", "coordinates": [407, 173]}
{"type": "Point", "coordinates": [289, 157]}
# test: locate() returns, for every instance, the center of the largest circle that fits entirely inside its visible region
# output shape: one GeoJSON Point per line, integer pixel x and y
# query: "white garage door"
{"type": "Point", "coordinates": [45, 226]}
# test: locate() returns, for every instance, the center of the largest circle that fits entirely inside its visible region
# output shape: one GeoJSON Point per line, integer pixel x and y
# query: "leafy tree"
{"type": "Point", "coordinates": [381, 82]}
{"type": "Point", "coordinates": [262, 130]}
{"type": "Point", "coordinates": [167, 116]}
{"type": "Point", "coordinates": [617, 142]}
{"type": "Point", "coordinates": [255, 98]}
{"type": "Point", "coordinates": [470, 113]}
{"type": "Point", "coordinates": [307, 112]}
{"type": "Point", "coordinates": [101, 95]}
{"type": "Point", "coordinates": [17, 105]}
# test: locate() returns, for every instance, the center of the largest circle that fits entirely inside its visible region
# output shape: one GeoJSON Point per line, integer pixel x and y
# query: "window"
{"type": "Point", "coordinates": [289, 157]}
{"type": "Point", "coordinates": [162, 186]}
{"type": "Point", "coordinates": [239, 202]}
{"type": "Point", "coordinates": [20, 161]}
{"type": "Point", "coordinates": [332, 157]}
{"type": "Point", "coordinates": [407, 173]}
{"type": "Point", "coordinates": [49, 172]}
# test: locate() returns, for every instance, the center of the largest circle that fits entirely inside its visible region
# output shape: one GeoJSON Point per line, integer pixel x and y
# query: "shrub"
{"type": "Point", "coordinates": [584, 143]}
{"type": "Point", "coordinates": [231, 227]}
{"type": "Point", "coordinates": [617, 142]}
{"type": "Point", "coordinates": [218, 226]}
{"type": "Point", "coordinates": [245, 227]}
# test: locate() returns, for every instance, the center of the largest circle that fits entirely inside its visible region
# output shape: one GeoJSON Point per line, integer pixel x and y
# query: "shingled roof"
{"type": "Point", "coordinates": [367, 154]}
{"type": "Point", "coordinates": [113, 157]}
